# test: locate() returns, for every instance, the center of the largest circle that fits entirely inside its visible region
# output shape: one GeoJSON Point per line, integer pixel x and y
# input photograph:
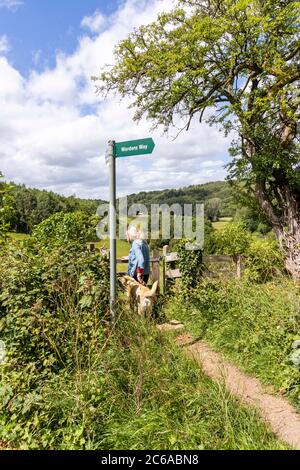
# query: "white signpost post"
{"type": "Point", "coordinates": [119, 150]}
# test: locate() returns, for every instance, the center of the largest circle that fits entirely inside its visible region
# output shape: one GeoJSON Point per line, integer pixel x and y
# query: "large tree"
{"type": "Point", "coordinates": [236, 63]}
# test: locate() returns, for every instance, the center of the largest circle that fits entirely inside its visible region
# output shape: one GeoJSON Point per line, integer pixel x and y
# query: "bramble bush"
{"type": "Point", "coordinates": [63, 230]}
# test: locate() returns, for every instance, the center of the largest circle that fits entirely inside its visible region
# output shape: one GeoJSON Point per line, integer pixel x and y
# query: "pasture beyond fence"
{"type": "Point", "coordinates": [164, 265]}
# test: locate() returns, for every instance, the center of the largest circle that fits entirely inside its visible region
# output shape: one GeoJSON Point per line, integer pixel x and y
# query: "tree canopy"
{"type": "Point", "coordinates": [239, 57]}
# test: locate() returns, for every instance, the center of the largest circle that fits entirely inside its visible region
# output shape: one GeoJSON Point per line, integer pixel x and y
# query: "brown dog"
{"type": "Point", "coordinates": [139, 295]}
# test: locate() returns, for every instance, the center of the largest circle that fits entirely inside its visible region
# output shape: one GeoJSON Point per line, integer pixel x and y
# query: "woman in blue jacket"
{"type": "Point", "coordinates": [139, 256]}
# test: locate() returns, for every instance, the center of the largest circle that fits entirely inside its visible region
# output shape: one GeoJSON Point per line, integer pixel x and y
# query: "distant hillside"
{"type": "Point", "coordinates": [217, 195]}
{"type": "Point", "coordinates": [32, 206]}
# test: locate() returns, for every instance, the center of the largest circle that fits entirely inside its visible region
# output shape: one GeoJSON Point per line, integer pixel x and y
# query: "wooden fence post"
{"type": "Point", "coordinates": [155, 267]}
{"type": "Point", "coordinates": [165, 252]}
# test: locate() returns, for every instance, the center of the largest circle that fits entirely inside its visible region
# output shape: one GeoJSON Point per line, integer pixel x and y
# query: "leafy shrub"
{"type": "Point", "coordinates": [71, 383]}
{"type": "Point", "coordinates": [263, 228]}
{"type": "Point", "coordinates": [209, 238]}
{"type": "Point", "coordinates": [295, 355]}
{"type": "Point", "coordinates": [233, 239]}
{"type": "Point", "coordinates": [262, 257]}
{"type": "Point", "coordinates": [43, 298]}
{"type": "Point", "coordinates": [263, 260]}
{"type": "Point", "coordinates": [54, 303]}
{"type": "Point", "coordinates": [252, 218]}
{"type": "Point", "coordinates": [63, 229]}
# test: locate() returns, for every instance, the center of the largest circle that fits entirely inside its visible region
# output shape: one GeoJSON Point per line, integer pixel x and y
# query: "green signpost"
{"type": "Point", "coordinates": [134, 147]}
{"type": "Point", "coordinates": [119, 150]}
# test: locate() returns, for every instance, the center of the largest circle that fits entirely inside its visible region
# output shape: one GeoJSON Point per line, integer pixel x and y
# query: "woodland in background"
{"type": "Point", "coordinates": [29, 207]}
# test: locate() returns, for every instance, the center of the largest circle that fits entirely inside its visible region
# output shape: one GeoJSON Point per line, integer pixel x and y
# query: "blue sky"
{"type": "Point", "coordinates": [44, 26]}
{"type": "Point", "coordinates": [54, 129]}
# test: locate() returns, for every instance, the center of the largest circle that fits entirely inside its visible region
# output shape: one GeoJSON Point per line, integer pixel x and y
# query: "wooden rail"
{"type": "Point", "coordinates": [169, 269]}
{"type": "Point", "coordinates": [171, 272]}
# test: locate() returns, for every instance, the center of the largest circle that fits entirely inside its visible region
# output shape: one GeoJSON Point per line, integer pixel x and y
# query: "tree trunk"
{"type": "Point", "coordinates": [286, 225]}
{"type": "Point", "coordinates": [290, 244]}
{"type": "Point", "coordinates": [289, 240]}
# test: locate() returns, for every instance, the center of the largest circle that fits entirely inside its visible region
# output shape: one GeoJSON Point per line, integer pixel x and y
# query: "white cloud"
{"type": "Point", "coordinates": [56, 85]}
{"type": "Point", "coordinates": [10, 4]}
{"type": "Point", "coordinates": [95, 22]}
{"type": "Point", "coordinates": [4, 44]}
{"type": "Point", "coordinates": [54, 129]}
{"type": "Point", "coordinates": [11, 83]}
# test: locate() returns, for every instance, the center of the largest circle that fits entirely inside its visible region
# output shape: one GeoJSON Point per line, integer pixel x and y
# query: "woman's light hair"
{"type": "Point", "coordinates": [135, 233]}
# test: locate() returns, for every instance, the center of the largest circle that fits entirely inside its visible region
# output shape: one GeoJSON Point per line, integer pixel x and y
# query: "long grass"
{"type": "Point", "coordinates": [136, 390]}
{"type": "Point", "coordinates": [143, 393]}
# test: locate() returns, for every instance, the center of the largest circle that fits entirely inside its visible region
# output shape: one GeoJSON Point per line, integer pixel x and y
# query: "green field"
{"type": "Point", "coordinates": [122, 250]}
{"type": "Point", "coordinates": [222, 222]}
{"type": "Point", "coordinates": [123, 247]}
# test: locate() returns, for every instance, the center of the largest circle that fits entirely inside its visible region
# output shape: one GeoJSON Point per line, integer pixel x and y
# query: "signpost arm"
{"type": "Point", "coordinates": [112, 228]}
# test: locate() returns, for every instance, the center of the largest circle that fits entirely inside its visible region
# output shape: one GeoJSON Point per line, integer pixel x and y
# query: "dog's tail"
{"type": "Point", "coordinates": [153, 290]}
